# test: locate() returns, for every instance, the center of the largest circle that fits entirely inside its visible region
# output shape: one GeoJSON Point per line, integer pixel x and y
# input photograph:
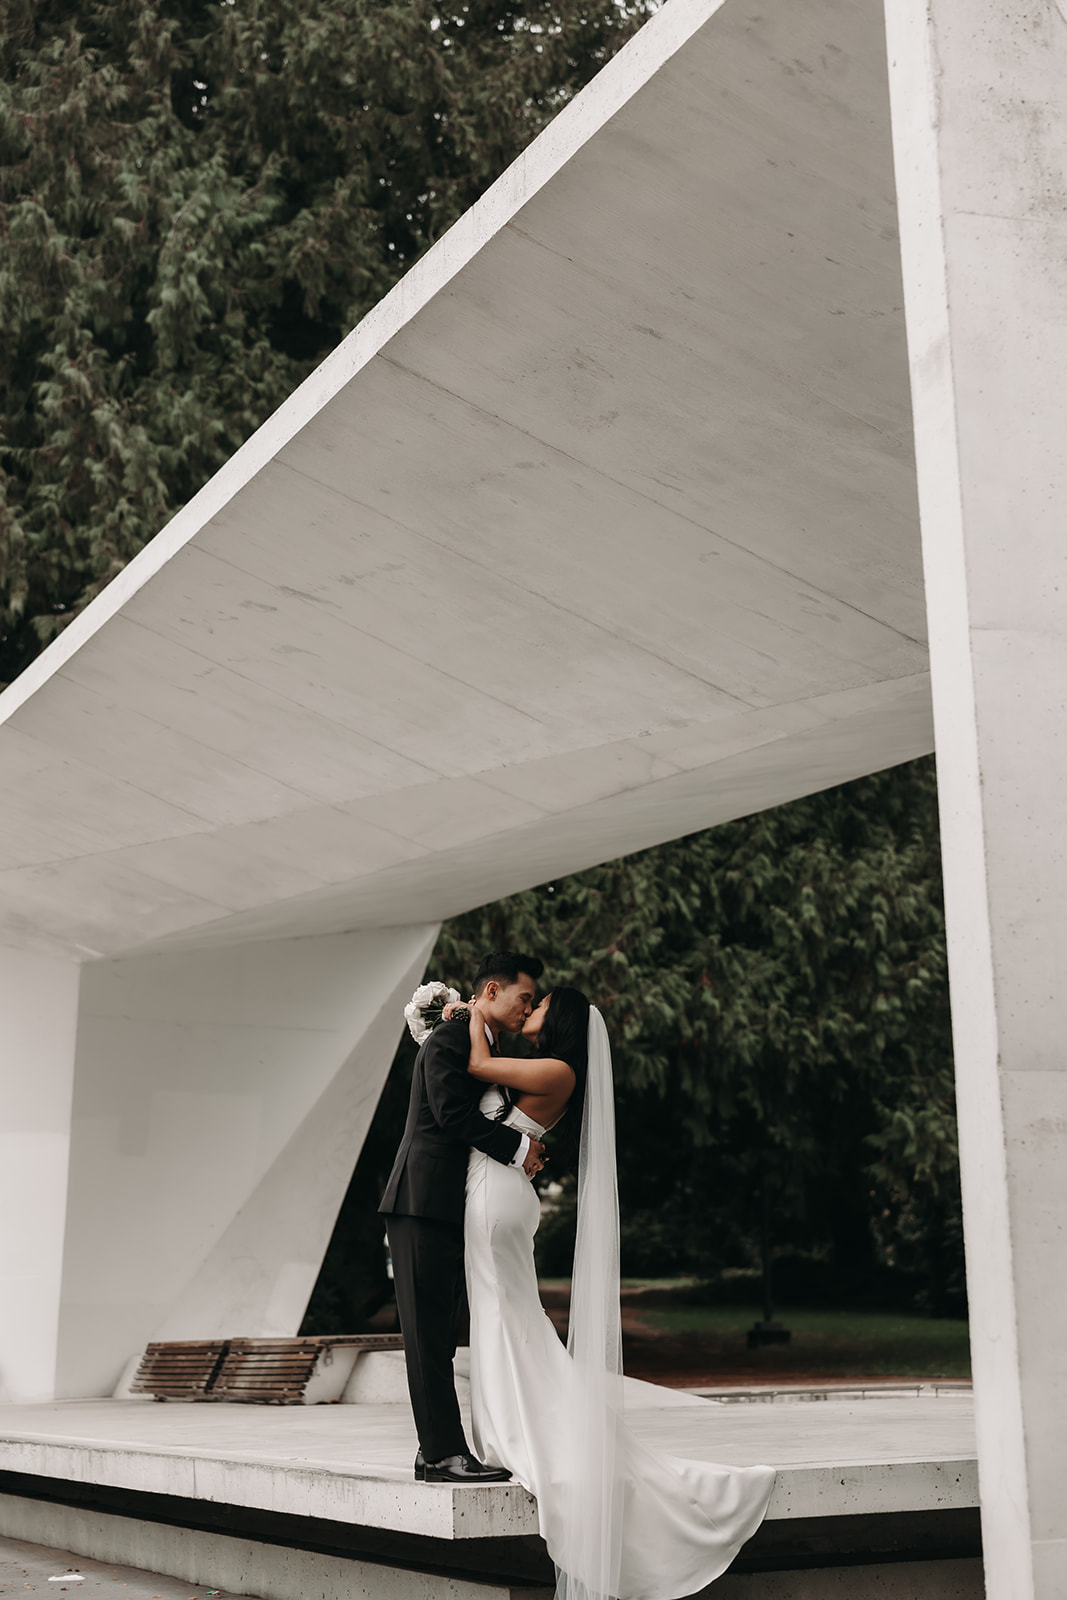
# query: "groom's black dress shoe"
{"type": "Point", "coordinates": [420, 1467]}
{"type": "Point", "coordinates": [462, 1469]}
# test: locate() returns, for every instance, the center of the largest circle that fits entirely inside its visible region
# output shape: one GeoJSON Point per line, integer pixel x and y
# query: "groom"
{"type": "Point", "coordinates": [424, 1202]}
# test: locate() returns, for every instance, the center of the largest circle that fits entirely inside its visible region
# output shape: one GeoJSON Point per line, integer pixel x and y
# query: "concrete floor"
{"type": "Point", "coordinates": [909, 1452]}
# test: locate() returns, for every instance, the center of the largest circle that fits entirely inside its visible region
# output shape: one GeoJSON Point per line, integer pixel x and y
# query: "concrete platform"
{"type": "Point", "coordinates": [209, 1491]}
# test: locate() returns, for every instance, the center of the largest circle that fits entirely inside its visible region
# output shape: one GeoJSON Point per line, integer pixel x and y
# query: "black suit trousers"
{"type": "Point", "coordinates": [428, 1277]}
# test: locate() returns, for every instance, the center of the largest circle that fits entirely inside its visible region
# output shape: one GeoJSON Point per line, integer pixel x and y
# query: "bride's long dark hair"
{"type": "Point", "coordinates": [565, 1037]}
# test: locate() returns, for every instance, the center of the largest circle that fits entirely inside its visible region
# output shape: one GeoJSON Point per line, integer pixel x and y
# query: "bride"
{"type": "Point", "coordinates": [620, 1518]}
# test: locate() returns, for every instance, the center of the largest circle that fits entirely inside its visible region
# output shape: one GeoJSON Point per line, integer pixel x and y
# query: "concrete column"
{"type": "Point", "coordinates": [979, 95]}
{"type": "Point", "coordinates": [38, 1022]}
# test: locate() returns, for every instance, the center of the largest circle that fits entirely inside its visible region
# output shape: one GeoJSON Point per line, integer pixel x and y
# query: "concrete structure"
{"type": "Point", "coordinates": [601, 528]}
{"type": "Point", "coordinates": [876, 1498]}
{"type": "Point", "coordinates": [491, 598]}
{"type": "Point", "coordinates": [980, 117]}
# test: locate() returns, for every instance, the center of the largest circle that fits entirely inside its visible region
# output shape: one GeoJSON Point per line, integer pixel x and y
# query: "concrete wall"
{"type": "Point", "coordinates": [220, 1104]}
{"type": "Point", "coordinates": [38, 1020]}
{"type": "Point", "coordinates": [273, 1572]}
{"type": "Point", "coordinates": [177, 1140]}
{"type": "Point", "coordinates": [239, 1565]}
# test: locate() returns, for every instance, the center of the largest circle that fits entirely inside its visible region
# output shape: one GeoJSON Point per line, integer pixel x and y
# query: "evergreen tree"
{"type": "Point", "coordinates": [197, 202]}
{"type": "Point", "coordinates": [776, 992]}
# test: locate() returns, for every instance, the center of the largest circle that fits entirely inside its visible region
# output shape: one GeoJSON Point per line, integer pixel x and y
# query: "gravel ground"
{"type": "Point", "coordinates": [35, 1569]}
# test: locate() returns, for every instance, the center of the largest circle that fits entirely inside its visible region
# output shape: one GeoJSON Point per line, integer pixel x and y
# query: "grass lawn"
{"type": "Point", "coordinates": [841, 1344]}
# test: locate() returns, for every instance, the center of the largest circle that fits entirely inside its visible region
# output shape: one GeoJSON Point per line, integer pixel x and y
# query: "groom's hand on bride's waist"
{"type": "Point", "coordinates": [535, 1158]}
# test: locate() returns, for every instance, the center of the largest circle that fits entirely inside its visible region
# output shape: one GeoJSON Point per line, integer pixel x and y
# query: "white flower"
{"type": "Point", "coordinates": [423, 1010]}
{"type": "Point", "coordinates": [416, 1027]}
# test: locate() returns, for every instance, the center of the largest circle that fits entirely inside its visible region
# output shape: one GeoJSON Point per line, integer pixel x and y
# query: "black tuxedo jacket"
{"type": "Point", "coordinates": [429, 1175]}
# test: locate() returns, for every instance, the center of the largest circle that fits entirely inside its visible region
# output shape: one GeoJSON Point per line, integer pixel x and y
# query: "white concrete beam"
{"type": "Point", "coordinates": [980, 124]}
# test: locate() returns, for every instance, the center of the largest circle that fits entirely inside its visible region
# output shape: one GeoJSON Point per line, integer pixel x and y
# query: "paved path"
{"type": "Point", "coordinates": [33, 1569]}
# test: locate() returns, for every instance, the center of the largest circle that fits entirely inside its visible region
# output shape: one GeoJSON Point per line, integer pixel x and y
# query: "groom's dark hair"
{"type": "Point", "coordinates": [505, 966]}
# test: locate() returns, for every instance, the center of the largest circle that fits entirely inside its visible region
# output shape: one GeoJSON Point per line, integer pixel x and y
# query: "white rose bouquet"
{"type": "Point", "coordinates": [423, 1010]}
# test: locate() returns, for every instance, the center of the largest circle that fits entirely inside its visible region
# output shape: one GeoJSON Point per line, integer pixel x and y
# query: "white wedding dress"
{"type": "Point", "coordinates": [680, 1522]}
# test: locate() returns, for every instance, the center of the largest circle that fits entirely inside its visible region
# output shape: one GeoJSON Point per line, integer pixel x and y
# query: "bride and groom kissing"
{"type": "Point", "coordinates": [620, 1518]}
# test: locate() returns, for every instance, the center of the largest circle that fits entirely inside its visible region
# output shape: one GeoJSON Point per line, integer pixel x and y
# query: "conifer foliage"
{"type": "Point", "coordinates": [777, 996]}
{"type": "Point", "coordinates": [198, 200]}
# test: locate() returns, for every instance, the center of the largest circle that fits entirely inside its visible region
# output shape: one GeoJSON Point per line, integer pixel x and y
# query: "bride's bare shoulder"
{"type": "Point", "coordinates": [555, 1068]}
{"type": "Point", "coordinates": [534, 1074]}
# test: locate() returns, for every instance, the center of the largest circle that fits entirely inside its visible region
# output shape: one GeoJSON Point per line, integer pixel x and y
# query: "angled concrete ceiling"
{"type": "Point", "coordinates": [600, 529]}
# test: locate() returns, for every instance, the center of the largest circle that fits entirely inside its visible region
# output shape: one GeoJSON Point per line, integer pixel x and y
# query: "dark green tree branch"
{"type": "Point", "coordinates": [197, 202]}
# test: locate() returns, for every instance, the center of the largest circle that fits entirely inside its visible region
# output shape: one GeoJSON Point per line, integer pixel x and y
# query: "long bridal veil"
{"type": "Point", "coordinates": [622, 1518]}
{"type": "Point", "coordinates": [595, 1506]}
{"type": "Point", "coordinates": [625, 1518]}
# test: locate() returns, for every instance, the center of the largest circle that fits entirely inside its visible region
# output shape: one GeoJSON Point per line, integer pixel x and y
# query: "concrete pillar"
{"type": "Point", "coordinates": [38, 1022]}
{"type": "Point", "coordinates": [979, 96]}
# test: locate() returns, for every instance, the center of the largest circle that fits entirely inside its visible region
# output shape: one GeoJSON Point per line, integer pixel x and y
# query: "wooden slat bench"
{"type": "Point", "coordinates": [267, 1371]}
{"type": "Point", "coordinates": [182, 1370]}
{"type": "Point", "coordinates": [250, 1371]}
